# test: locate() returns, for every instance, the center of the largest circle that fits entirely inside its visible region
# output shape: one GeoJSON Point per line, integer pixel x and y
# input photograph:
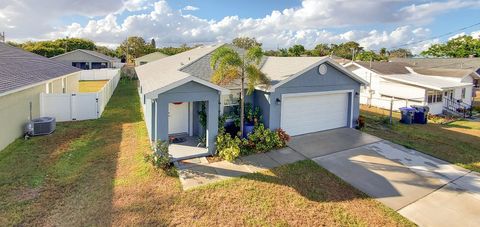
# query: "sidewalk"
{"type": "Point", "coordinates": [197, 172]}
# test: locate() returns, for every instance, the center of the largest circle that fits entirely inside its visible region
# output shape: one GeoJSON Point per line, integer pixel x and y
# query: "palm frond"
{"type": "Point", "coordinates": [255, 77]}
{"type": "Point", "coordinates": [219, 54]}
{"type": "Point", "coordinates": [226, 64]}
{"type": "Point", "coordinates": [255, 54]}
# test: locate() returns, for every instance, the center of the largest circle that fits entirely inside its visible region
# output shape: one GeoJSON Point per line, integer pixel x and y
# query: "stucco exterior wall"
{"type": "Point", "coordinates": [15, 109]}
{"type": "Point", "coordinates": [312, 81]}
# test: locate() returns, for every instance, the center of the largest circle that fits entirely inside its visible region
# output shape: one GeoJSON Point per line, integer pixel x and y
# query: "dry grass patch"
{"type": "Point", "coordinates": [91, 85]}
{"type": "Point", "coordinates": [93, 173]}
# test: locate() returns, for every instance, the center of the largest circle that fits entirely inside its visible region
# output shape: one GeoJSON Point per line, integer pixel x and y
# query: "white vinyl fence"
{"type": "Point", "coordinates": [80, 106]}
{"type": "Point", "coordinates": [98, 74]}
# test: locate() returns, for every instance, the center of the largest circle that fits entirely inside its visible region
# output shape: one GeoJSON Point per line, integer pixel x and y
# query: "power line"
{"type": "Point", "coordinates": [438, 36]}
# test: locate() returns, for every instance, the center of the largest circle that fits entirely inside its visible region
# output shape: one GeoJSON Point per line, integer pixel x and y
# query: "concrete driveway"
{"type": "Point", "coordinates": [426, 190]}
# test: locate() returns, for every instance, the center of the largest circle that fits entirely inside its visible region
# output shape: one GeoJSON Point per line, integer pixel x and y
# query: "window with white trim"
{"type": "Point", "coordinates": [464, 92]}
{"type": "Point", "coordinates": [231, 103]}
{"type": "Point", "coordinates": [434, 96]}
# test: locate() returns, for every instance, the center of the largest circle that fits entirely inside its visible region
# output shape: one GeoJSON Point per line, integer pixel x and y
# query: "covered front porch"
{"type": "Point", "coordinates": [187, 117]}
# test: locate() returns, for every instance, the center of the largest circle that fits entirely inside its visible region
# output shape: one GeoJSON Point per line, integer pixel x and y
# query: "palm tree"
{"type": "Point", "coordinates": [229, 65]}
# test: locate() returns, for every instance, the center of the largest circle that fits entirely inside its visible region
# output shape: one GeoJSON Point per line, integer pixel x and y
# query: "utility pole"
{"type": "Point", "coordinates": [66, 44]}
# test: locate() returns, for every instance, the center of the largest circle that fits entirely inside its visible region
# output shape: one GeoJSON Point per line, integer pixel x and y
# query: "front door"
{"type": "Point", "coordinates": [177, 118]}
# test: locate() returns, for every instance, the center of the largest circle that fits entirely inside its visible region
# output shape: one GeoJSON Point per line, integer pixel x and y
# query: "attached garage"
{"type": "Point", "coordinates": [318, 97]}
{"type": "Point", "coordinates": [315, 111]}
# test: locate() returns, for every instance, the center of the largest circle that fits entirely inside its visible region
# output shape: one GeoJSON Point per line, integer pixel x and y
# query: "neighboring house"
{"type": "Point", "coordinates": [23, 76]}
{"type": "Point", "coordinates": [306, 94]}
{"type": "Point", "coordinates": [472, 64]}
{"type": "Point", "coordinates": [87, 59]}
{"type": "Point", "coordinates": [436, 88]}
{"type": "Point", "coordinates": [149, 58]}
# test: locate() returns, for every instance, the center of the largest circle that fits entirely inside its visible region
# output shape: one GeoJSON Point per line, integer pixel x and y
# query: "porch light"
{"type": "Point", "coordinates": [278, 101]}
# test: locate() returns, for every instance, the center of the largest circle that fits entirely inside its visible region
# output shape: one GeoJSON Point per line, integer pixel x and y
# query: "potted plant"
{"type": "Point", "coordinates": [252, 118]}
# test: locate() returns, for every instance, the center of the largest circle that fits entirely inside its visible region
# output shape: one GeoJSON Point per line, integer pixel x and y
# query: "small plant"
{"type": "Point", "coordinates": [228, 147]}
{"type": "Point", "coordinates": [252, 115]}
{"type": "Point", "coordinates": [160, 158]}
{"type": "Point", "coordinates": [284, 137]}
{"type": "Point", "coordinates": [361, 122]}
{"type": "Point", "coordinates": [263, 139]}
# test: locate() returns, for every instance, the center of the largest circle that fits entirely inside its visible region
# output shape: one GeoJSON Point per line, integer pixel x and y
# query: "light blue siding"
{"type": "Point", "coordinates": [310, 81]}
{"type": "Point", "coordinates": [189, 92]}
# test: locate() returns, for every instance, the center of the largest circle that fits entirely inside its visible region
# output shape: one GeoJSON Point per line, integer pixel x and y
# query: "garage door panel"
{"type": "Point", "coordinates": [312, 113]}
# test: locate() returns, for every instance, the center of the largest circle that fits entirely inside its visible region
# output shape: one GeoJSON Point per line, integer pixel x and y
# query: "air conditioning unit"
{"type": "Point", "coordinates": [40, 126]}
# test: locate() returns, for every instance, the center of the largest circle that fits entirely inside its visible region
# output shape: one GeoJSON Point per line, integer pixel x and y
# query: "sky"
{"type": "Point", "coordinates": [275, 23]}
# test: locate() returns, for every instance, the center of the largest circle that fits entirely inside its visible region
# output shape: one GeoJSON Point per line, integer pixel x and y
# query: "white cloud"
{"type": "Point", "coordinates": [308, 24]}
{"type": "Point", "coordinates": [190, 8]}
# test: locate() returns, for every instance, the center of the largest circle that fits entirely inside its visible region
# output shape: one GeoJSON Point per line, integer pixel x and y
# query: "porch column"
{"type": "Point", "coordinates": [162, 120]}
{"type": "Point", "coordinates": [212, 123]}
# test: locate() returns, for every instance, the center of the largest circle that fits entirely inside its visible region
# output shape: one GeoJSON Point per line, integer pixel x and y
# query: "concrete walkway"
{"type": "Point", "coordinates": [197, 172]}
{"type": "Point", "coordinates": [424, 189]}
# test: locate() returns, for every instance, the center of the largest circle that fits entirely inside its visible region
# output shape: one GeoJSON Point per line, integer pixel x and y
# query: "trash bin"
{"type": "Point", "coordinates": [421, 114]}
{"type": "Point", "coordinates": [407, 115]}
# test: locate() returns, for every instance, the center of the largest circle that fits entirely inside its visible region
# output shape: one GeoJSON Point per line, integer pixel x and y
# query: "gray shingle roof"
{"type": "Point", "coordinates": [386, 68]}
{"type": "Point", "coordinates": [91, 52]}
{"type": "Point", "coordinates": [201, 68]}
{"type": "Point", "coordinates": [450, 63]}
{"type": "Point", "coordinates": [19, 68]}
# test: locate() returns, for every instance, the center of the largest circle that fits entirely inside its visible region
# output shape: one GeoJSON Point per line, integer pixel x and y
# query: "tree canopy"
{"type": "Point", "coordinates": [245, 42]}
{"type": "Point", "coordinates": [460, 47]}
{"type": "Point", "coordinates": [296, 50]}
{"type": "Point", "coordinates": [55, 47]}
{"type": "Point", "coordinates": [134, 47]}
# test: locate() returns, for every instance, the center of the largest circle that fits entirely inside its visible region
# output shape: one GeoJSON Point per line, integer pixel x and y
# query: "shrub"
{"type": "Point", "coordinates": [160, 158]}
{"type": "Point", "coordinates": [361, 122]}
{"type": "Point", "coordinates": [284, 137]}
{"type": "Point", "coordinates": [263, 139]}
{"type": "Point", "coordinates": [228, 147]}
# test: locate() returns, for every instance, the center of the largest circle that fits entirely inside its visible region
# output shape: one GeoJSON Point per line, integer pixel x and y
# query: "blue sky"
{"type": "Point", "coordinates": [276, 23]}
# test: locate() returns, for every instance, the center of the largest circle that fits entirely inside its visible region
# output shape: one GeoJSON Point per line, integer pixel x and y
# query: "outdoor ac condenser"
{"type": "Point", "coordinates": [40, 126]}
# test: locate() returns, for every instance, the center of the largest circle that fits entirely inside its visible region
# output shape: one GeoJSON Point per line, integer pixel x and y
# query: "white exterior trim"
{"type": "Point", "coordinates": [152, 94]}
{"type": "Point", "coordinates": [350, 104]}
{"type": "Point", "coordinates": [328, 60]}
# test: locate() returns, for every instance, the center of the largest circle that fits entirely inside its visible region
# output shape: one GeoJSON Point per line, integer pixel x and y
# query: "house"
{"type": "Point", "coordinates": [306, 94]}
{"type": "Point", "coordinates": [23, 76]}
{"type": "Point", "coordinates": [87, 59]}
{"type": "Point", "coordinates": [149, 58]}
{"type": "Point", "coordinates": [407, 85]}
{"type": "Point", "coordinates": [472, 64]}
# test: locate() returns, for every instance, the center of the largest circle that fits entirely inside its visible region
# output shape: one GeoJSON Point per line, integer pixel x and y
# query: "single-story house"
{"type": "Point", "coordinates": [306, 94]}
{"type": "Point", "coordinates": [472, 64]}
{"type": "Point", "coordinates": [23, 76]}
{"type": "Point", "coordinates": [149, 58]}
{"type": "Point", "coordinates": [408, 85]}
{"type": "Point", "coordinates": [87, 59]}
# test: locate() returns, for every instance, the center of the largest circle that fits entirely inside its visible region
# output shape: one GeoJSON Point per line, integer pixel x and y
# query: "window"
{"type": "Point", "coordinates": [434, 96]}
{"type": "Point", "coordinates": [231, 103]}
{"type": "Point", "coordinates": [464, 91]}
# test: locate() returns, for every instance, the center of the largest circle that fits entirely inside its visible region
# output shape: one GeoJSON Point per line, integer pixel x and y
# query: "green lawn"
{"type": "Point", "coordinates": [92, 173]}
{"type": "Point", "coordinates": [457, 142]}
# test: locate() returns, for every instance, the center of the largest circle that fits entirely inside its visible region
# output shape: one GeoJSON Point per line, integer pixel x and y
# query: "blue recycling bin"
{"type": "Point", "coordinates": [421, 114]}
{"type": "Point", "coordinates": [407, 115]}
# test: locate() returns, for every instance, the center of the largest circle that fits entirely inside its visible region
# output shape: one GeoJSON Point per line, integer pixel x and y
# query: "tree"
{"type": "Point", "coordinates": [321, 49]}
{"type": "Point", "coordinates": [245, 42]}
{"type": "Point", "coordinates": [175, 50]}
{"type": "Point", "coordinates": [383, 52]}
{"type": "Point", "coordinates": [296, 50]}
{"type": "Point", "coordinates": [460, 47]}
{"type": "Point", "coordinates": [69, 44]}
{"type": "Point", "coordinates": [400, 53]}
{"type": "Point", "coordinates": [370, 56]}
{"type": "Point", "coordinates": [105, 50]}
{"type": "Point", "coordinates": [229, 65]}
{"type": "Point", "coordinates": [153, 44]}
{"type": "Point", "coordinates": [134, 47]}
{"type": "Point", "coordinates": [344, 50]}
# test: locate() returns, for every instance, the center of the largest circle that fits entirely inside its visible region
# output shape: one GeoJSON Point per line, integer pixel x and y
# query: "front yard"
{"type": "Point", "coordinates": [94, 173]}
{"type": "Point", "coordinates": [457, 142]}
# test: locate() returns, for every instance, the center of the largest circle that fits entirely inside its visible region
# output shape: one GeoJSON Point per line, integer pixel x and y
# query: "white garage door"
{"type": "Point", "coordinates": [308, 113]}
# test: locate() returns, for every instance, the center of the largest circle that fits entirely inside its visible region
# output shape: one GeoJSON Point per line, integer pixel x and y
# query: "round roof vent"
{"type": "Point", "coordinates": [322, 69]}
